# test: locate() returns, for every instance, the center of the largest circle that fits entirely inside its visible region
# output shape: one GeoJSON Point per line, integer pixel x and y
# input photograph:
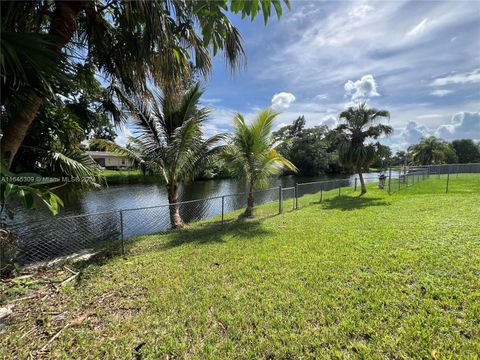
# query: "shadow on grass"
{"type": "Point", "coordinates": [346, 203]}
{"type": "Point", "coordinates": [206, 233]}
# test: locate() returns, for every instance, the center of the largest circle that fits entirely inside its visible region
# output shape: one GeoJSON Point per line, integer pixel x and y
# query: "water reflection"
{"type": "Point", "coordinates": [146, 211]}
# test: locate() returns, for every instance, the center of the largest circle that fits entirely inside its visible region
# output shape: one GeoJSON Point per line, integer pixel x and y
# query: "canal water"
{"type": "Point", "coordinates": [132, 196]}
{"type": "Point", "coordinates": [92, 219]}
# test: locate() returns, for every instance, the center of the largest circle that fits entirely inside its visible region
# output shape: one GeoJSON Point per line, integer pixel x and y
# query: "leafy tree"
{"type": "Point", "coordinates": [128, 42]}
{"type": "Point", "coordinates": [430, 150]}
{"type": "Point", "coordinates": [382, 157]}
{"type": "Point", "coordinates": [62, 123]}
{"type": "Point", "coordinates": [358, 128]}
{"type": "Point", "coordinates": [400, 158]}
{"type": "Point", "coordinates": [467, 151]}
{"type": "Point", "coordinates": [169, 140]}
{"type": "Point", "coordinates": [307, 148]}
{"type": "Point", "coordinates": [450, 155]}
{"type": "Point", "coordinates": [105, 132]}
{"type": "Point", "coordinates": [309, 151]}
{"type": "Point", "coordinates": [252, 155]}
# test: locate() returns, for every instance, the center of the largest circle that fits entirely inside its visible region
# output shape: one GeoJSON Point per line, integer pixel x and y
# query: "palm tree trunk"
{"type": "Point", "coordinates": [250, 202]}
{"type": "Point", "coordinates": [175, 219]}
{"type": "Point", "coordinates": [63, 28]}
{"type": "Point", "coordinates": [362, 182]}
{"type": "Point", "coordinates": [17, 128]}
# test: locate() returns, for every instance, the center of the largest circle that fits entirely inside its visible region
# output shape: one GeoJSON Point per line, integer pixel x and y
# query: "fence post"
{"type": "Point", "coordinates": [280, 199]}
{"type": "Point", "coordinates": [355, 188]}
{"type": "Point", "coordinates": [339, 189]}
{"type": "Point", "coordinates": [399, 177]}
{"type": "Point", "coordinates": [296, 196]}
{"type": "Point", "coordinates": [223, 210]}
{"type": "Point", "coordinates": [389, 180]}
{"type": "Point", "coordinates": [121, 233]}
{"type": "Point", "coordinates": [321, 193]}
{"type": "Point", "coordinates": [448, 179]}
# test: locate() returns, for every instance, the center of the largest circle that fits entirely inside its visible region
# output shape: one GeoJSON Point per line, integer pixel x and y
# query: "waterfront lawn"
{"type": "Point", "coordinates": [376, 276]}
{"type": "Point", "coordinates": [116, 177]}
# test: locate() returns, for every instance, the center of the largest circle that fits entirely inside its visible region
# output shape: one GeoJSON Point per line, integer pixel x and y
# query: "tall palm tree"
{"type": "Point", "coordinates": [129, 42]}
{"type": "Point", "coordinates": [169, 140]}
{"type": "Point", "coordinates": [430, 150]}
{"type": "Point", "coordinates": [252, 155]}
{"type": "Point", "coordinates": [359, 124]}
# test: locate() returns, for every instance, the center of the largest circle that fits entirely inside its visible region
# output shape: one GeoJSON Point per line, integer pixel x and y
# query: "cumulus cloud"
{"type": "Point", "coordinates": [123, 136]}
{"type": "Point", "coordinates": [441, 92]}
{"type": "Point", "coordinates": [361, 89]}
{"type": "Point", "coordinates": [462, 78]}
{"type": "Point", "coordinates": [413, 132]}
{"type": "Point", "coordinates": [282, 100]}
{"type": "Point", "coordinates": [463, 125]}
{"type": "Point", "coordinates": [419, 28]}
{"type": "Point", "coordinates": [330, 121]}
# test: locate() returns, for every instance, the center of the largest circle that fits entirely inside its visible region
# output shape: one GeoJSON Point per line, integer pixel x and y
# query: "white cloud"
{"type": "Point", "coordinates": [123, 135]}
{"type": "Point", "coordinates": [321, 97]}
{"type": "Point", "coordinates": [363, 88]}
{"type": "Point", "coordinates": [282, 100]}
{"type": "Point", "coordinates": [463, 125]}
{"type": "Point", "coordinates": [441, 92]}
{"type": "Point", "coordinates": [330, 121]}
{"type": "Point", "coordinates": [464, 78]}
{"type": "Point", "coordinates": [360, 12]}
{"type": "Point", "coordinates": [419, 28]}
{"type": "Point", "coordinates": [428, 116]}
{"type": "Point", "coordinates": [413, 132]}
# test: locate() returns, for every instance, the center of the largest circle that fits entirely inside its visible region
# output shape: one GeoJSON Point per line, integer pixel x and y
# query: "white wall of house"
{"type": "Point", "coordinates": [110, 160]}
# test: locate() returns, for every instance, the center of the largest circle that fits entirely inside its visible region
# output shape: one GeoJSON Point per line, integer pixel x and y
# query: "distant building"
{"type": "Point", "coordinates": [109, 160]}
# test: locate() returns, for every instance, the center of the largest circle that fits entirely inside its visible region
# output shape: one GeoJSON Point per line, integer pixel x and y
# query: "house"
{"type": "Point", "coordinates": [109, 160]}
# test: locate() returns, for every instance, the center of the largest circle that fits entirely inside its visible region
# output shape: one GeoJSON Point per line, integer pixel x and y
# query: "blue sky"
{"type": "Point", "coordinates": [418, 59]}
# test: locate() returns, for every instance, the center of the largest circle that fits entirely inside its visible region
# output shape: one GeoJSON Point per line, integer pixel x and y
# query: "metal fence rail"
{"type": "Point", "coordinates": [403, 178]}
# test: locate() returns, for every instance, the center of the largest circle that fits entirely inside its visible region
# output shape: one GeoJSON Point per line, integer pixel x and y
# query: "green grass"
{"type": "Point", "coordinates": [116, 177]}
{"type": "Point", "coordinates": [369, 277]}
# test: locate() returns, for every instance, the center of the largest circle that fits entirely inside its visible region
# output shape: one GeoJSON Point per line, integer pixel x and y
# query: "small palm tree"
{"type": "Point", "coordinates": [252, 155]}
{"type": "Point", "coordinates": [169, 140]}
{"type": "Point", "coordinates": [359, 125]}
{"type": "Point", "coordinates": [430, 150]}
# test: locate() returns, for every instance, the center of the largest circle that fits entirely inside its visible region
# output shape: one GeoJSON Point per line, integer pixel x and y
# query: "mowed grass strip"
{"type": "Point", "coordinates": [376, 276]}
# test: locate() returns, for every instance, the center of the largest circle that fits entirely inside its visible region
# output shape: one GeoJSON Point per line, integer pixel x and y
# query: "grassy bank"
{"type": "Point", "coordinates": [372, 277]}
{"type": "Point", "coordinates": [118, 177]}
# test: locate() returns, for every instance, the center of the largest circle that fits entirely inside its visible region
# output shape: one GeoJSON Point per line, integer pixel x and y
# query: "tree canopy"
{"type": "Point", "coordinates": [357, 132]}
{"type": "Point", "coordinates": [128, 43]}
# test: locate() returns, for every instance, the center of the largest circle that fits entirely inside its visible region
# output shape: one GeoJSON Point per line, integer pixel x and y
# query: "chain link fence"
{"type": "Point", "coordinates": [80, 236]}
{"type": "Point", "coordinates": [65, 238]}
{"type": "Point", "coordinates": [443, 175]}
{"type": "Point", "coordinates": [403, 177]}
{"type": "Point", "coordinates": [62, 238]}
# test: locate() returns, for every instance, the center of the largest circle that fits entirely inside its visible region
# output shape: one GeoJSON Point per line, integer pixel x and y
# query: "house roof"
{"type": "Point", "coordinates": [102, 154]}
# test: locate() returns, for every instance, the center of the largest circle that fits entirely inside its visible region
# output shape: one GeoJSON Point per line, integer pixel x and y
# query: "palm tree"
{"type": "Point", "coordinates": [252, 155]}
{"type": "Point", "coordinates": [169, 140]}
{"type": "Point", "coordinates": [430, 150]}
{"type": "Point", "coordinates": [359, 125]}
{"type": "Point", "coordinates": [129, 42]}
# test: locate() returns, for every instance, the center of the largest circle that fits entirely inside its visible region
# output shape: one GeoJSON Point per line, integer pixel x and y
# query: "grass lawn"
{"type": "Point", "coordinates": [116, 177]}
{"type": "Point", "coordinates": [372, 277]}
